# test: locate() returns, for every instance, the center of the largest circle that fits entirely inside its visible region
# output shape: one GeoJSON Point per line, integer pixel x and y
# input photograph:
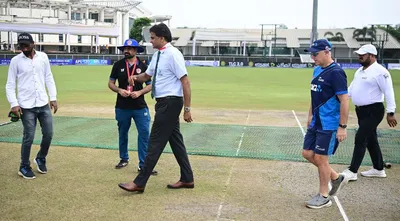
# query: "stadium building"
{"type": "Point", "coordinates": [73, 26]}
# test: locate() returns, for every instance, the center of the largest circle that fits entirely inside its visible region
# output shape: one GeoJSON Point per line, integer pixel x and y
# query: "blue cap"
{"type": "Point", "coordinates": [319, 45]}
{"type": "Point", "coordinates": [132, 43]}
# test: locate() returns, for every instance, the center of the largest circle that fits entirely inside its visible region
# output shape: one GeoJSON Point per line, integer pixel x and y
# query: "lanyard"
{"type": "Point", "coordinates": [128, 70]}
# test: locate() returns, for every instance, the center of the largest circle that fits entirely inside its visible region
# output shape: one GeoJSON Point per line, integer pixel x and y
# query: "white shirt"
{"type": "Point", "coordinates": [372, 85]}
{"type": "Point", "coordinates": [171, 68]}
{"type": "Point", "coordinates": [30, 77]}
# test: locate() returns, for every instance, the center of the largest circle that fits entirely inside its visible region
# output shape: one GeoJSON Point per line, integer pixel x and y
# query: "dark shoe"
{"type": "Point", "coordinates": [41, 165]}
{"type": "Point", "coordinates": [154, 172]}
{"type": "Point", "coordinates": [26, 172]}
{"type": "Point", "coordinates": [180, 185]}
{"type": "Point", "coordinates": [131, 187]}
{"type": "Point", "coordinates": [122, 163]}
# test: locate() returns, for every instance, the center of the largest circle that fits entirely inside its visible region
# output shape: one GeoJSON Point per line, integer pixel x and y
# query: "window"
{"type": "Point", "coordinates": [94, 16]}
{"type": "Point", "coordinates": [40, 37]}
{"type": "Point", "coordinates": [109, 40]}
{"type": "Point", "coordinates": [76, 16]}
{"type": "Point", "coordinates": [61, 38]}
{"type": "Point", "coordinates": [60, 48]}
{"type": "Point", "coordinates": [109, 20]}
{"type": "Point", "coordinates": [79, 38]}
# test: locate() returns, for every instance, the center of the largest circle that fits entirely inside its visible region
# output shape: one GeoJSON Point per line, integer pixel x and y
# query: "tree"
{"type": "Point", "coordinates": [338, 36]}
{"type": "Point", "coordinates": [137, 27]}
{"type": "Point", "coordinates": [365, 34]}
{"type": "Point", "coordinates": [394, 31]}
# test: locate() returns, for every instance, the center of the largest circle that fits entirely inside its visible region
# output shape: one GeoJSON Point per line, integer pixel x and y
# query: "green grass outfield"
{"type": "Point", "coordinates": [231, 88]}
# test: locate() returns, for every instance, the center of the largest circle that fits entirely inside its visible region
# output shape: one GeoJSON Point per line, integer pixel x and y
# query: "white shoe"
{"type": "Point", "coordinates": [350, 176]}
{"type": "Point", "coordinates": [374, 173]}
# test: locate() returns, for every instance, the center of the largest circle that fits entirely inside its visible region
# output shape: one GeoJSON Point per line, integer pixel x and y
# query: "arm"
{"type": "Point", "coordinates": [310, 116]}
{"type": "Point", "coordinates": [11, 84]}
{"type": "Point", "coordinates": [186, 91]}
{"type": "Point", "coordinates": [386, 85]}
{"type": "Point", "coordinates": [344, 108]}
{"type": "Point", "coordinates": [143, 77]}
{"type": "Point", "coordinates": [113, 87]}
{"type": "Point", "coordinates": [51, 86]}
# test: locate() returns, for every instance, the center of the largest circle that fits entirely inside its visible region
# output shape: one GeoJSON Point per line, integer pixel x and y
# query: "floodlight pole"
{"type": "Point", "coordinates": [263, 38]}
{"type": "Point", "coordinates": [314, 31]}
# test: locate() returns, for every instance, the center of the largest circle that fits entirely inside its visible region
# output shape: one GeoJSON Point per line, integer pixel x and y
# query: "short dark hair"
{"type": "Point", "coordinates": [162, 30]}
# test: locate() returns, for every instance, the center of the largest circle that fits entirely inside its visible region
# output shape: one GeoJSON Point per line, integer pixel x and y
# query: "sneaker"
{"type": "Point", "coordinates": [350, 176]}
{"type": "Point", "coordinates": [26, 172]}
{"type": "Point", "coordinates": [41, 165]}
{"type": "Point", "coordinates": [337, 184]}
{"type": "Point", "coordinates": [122, 163]}
{"type": "Point", "coordinates": [154, 172]}
{"type": "Point", "coordinates": [374, 173]}
{"type": "Point", "coordinates": [318, 202]}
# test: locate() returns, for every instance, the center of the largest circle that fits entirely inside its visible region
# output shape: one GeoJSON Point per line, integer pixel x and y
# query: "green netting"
{"type": "Point", "coordinates": [262, 142]}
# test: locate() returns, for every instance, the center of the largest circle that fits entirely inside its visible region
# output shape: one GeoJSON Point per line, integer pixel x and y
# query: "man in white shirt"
{"type": "Point", "coordinates": [29, 73]}
{"type": "Point", "coordinates": [171, 89]}
{"type": "Point", "coordinates": [372, 84]}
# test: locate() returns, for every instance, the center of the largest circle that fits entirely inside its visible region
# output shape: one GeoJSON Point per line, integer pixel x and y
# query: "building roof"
{"type": "Point", "coordinates": [290, 38]}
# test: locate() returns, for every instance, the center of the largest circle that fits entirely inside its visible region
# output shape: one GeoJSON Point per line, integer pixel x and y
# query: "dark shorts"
{"type": "Point", "coordinates": [323, 142]}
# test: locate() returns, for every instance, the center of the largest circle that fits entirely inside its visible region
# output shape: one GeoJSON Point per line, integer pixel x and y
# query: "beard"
{"type": "Point", "coordinates": [28, 53]}
{"type": "Point", "coordinates": [128, 56]}
{"type": "Point", "coordinates": [366, 63]}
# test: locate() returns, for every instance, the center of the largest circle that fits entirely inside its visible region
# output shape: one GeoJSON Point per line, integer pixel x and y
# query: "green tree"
{"type": "Point", "coordinates": [338, 36]}
{"type": "Point", "coordinates": [392, 30]}
{"type": "Point", "coordinates": [137, 27]}
{"type": "Point", "coordinates": [365, 34]}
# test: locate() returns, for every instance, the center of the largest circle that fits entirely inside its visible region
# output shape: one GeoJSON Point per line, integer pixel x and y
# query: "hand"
{"type": "Point", "coordinates": [341, 134]}
{"type": "Point", "coordinates": [17, 111]}
{"type": "Point", "coordinates": [309, 120]}
{"type": "Point", "coordinates": [53, 104]}
{"type": "Point", "coordinates": [124, 93]}
{"type": "Point", "coordinates": [135, 94]}
{"type": "Point", "coordinates": [391, 120]}
{"type": "Point", "coordinates": [187, 116]}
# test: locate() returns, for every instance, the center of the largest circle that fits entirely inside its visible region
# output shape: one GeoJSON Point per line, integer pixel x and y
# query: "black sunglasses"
{"type": "Point", "coordinates": [315, 53]}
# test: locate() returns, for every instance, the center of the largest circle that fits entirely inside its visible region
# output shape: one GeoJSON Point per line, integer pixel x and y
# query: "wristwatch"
{"type": "Point", "coordinates": [391, 114]}
{"type": "Point", "coordinates": [186, 109]}
{"type": "Point", "coordinates": [344, 126]}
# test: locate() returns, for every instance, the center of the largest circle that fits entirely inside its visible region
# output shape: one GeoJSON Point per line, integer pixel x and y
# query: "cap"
{"type": "Point", "coordinates": [367, 49]}
{"type": "Point", "coordinates": [319, 45]}
{"type": "Point", "coordinates": [132, 43]}
{"type": "Point", "coordinates": [25, 38]}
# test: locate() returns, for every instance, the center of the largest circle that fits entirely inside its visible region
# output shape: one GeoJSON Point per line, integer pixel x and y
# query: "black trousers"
{"type": "Point", "coordinates": [166, 129]}
{"type": "Point", "coordinates": [369, 117]}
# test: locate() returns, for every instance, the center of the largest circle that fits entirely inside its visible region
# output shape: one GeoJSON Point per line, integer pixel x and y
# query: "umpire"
{"type": "Point", "coordinates": [371, 84]}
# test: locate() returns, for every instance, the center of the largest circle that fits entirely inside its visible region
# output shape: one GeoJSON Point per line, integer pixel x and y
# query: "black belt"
{"type": "Point", "coordinates": [168, 97]}
{"type": "Point", "coordinates": [369, 105]}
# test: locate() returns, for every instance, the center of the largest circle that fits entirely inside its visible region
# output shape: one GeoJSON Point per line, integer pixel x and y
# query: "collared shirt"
{"type": "Point", "coordinates": [171, 68]}
{"type": "Point", "coordinates": [30, 77]}
{"type": "Point", "coordinates": [120, 73]}
{"type": "Point", "coordinates": [372, 85]}
{"type": "Point", "coordinates": [326, 84]}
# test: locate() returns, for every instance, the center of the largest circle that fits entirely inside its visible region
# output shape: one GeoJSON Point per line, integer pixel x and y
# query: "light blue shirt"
{"type": "Point", "coordinates": [171, 68]}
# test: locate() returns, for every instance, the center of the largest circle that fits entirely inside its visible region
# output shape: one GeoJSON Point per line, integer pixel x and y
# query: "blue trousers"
{"type": "Point", "coordinates": [29, 119]}
{"type": "Point", "coordinates": [142, 121]}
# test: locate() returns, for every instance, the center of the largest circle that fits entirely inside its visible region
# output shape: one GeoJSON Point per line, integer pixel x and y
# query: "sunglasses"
{"type": "Point", "coordinates": [315, 54]}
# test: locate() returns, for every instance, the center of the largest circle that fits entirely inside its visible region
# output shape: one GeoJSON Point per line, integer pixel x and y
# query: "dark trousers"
{"type": "Point", "coordinates": [166, 129]}
{"type": "Point", "coordinates": [29, 119]}
{"type": "Point", "coordinates": [369, 117]}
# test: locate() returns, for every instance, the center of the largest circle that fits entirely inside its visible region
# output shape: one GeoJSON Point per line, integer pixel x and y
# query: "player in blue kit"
{"type": "Point", "coordinates": [327, 119]}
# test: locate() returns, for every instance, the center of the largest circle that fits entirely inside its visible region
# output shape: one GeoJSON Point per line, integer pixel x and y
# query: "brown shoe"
{"type": "Point", "coordinates": [180, 184]}
{"type": "Point", "coordinates": [131, 187]}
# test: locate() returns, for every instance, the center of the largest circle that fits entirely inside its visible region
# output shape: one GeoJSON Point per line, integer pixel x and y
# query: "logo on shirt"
{"type": "Point", "coordinates": [316, 88]}
{"type": "Point", "coordinates": [122, 69]}
{"type": "Point", "coordinates": [138, 71]}
{"type": "Point", "coordinates": [385, 75]}
{"type": "Point", "coordinates": [321, 79]}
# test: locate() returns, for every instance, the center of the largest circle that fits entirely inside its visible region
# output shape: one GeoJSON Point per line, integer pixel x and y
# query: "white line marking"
{"type": "Point", "coordinates": [228, 181]}
{"type": "Point", "coordinates": [339, 205]}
